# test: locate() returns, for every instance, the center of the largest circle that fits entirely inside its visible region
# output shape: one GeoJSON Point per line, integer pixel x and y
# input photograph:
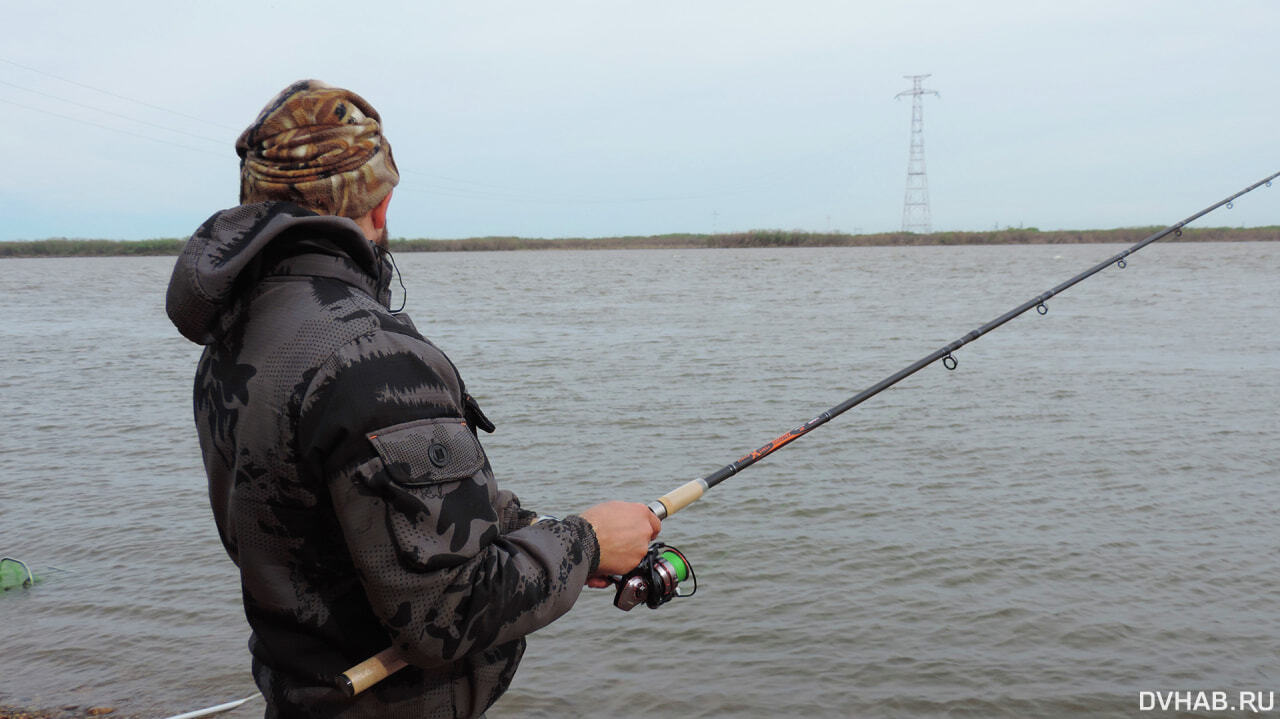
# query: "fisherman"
{"type": "Point", "coordinates": [345, 474]}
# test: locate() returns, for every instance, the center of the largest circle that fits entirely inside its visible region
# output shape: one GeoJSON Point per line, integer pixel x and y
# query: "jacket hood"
{"type": "Point", "coordinates": [234, 247]}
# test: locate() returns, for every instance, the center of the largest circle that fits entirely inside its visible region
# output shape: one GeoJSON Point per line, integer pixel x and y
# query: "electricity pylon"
{"type": "Point", "coordinates": [915, 206]}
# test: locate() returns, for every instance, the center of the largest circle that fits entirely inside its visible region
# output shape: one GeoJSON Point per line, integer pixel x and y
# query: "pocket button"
{"type": "Point", "coordinates": [438, 454]}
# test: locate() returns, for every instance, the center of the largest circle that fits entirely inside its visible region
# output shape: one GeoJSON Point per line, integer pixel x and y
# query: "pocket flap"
{"type": "Point", "coordinates": [428, 451]}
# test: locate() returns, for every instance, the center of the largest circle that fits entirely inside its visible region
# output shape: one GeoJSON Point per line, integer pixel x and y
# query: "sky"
{"type": "Point", "coordinates": [607, 118]}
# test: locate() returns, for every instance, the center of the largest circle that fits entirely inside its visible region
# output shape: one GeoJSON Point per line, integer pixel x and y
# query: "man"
{"type": "Point", "coordinates": [340, 445]}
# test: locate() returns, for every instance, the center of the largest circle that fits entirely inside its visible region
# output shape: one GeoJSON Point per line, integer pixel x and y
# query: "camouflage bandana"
{"type": "Point", "coordinates": [320, 147]}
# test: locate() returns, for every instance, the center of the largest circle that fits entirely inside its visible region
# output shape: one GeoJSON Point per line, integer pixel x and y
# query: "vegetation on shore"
{"type": "Point", "coordinates": [64, 247]}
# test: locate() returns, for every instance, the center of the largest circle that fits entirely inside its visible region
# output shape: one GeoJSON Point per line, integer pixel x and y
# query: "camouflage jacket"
{"type": "Point", "coordinates": [346, 479]}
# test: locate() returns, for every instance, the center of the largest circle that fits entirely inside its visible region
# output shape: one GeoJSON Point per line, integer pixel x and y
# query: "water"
{"type": "Point", "coordinates": [1082, 511]}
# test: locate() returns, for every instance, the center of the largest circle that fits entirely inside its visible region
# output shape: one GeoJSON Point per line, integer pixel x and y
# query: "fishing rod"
{"type": "Point", "coordinates": [681, 497]}
{"type": "Point", "coordinates": [656, 580]}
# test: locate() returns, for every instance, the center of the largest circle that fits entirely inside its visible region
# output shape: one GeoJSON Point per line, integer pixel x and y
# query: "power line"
{"type": "Point", "coordinates": [113, 114]}
{"type": "Point", "coordinates": [471, 189]}
{"type": "Point", "coordinates": [113, 129]}
{"type": "Point", "coordinates": [428, 188]}
{"type": "Point", "coordinates": [117, 95]}
{"type": "Point", "coordinates": [512, 194]}
{"type": "Point", "coordinates": [480, 195]}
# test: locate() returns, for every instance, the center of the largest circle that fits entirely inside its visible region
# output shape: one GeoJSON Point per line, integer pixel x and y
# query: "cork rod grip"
{"type": "Point", "coordinates": [370, 671]}
{"type": "Point", "coordinates": [682, 496]}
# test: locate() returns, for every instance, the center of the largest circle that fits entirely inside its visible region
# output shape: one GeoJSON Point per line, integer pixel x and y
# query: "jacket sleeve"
{"type": "Point", "coordinates": [512, 516]}
{"type": "Point", "coordinates": [440, 550]}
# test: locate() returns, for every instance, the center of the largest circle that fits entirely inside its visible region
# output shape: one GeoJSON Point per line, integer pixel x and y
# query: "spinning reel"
{"type": "Point", "coordinates": [655, 580]}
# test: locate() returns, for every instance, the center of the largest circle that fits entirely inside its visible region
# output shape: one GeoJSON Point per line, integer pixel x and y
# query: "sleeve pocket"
{"type": "Point", "coordinates": [428, 451]}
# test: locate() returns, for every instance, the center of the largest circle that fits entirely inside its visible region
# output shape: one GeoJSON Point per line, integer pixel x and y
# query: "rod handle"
{"type": "Point", "coordinates": [388, 661]}
{"type": "Point", "coordinates": [682, 496]}
{"type": "Point", "coordinates": [370, 671]}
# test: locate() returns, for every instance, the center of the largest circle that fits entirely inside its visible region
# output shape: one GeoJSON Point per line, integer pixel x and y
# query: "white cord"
{"type": "Point", "coordinates": [214, 709]}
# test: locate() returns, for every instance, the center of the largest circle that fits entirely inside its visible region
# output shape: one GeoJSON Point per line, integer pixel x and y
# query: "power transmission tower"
{"type": "Point", "coordinates": [915, 206]}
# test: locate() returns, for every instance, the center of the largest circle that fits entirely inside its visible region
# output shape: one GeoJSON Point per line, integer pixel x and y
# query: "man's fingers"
{"type": "Point", "coordinates": [620, 532]}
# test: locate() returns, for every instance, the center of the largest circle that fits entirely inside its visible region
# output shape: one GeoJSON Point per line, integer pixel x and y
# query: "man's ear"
{"type": "Point", "coordinates": [379, 213]}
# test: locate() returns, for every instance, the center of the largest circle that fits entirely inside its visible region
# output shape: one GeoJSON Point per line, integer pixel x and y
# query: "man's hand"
{"type": "Point", "coordinates": [624, 530]}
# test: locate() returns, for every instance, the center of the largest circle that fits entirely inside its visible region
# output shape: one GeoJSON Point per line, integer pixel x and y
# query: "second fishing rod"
{"type": "Point", "coordinates": [658, 578]}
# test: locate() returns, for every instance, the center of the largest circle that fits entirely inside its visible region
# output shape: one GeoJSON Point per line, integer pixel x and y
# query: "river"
{"type": "Point", "coordinates": [1082, 511]}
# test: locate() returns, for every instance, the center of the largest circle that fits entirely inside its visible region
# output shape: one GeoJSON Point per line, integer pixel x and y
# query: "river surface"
{"type": "Point", "coordinates": [1085, 509]}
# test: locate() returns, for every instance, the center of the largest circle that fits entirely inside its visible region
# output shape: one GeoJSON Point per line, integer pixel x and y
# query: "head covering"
{"type": "Point", "coordinates": [320, 147]}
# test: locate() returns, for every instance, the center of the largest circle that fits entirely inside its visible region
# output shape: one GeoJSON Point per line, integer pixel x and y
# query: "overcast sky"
{"type": "Point", "coordinates": [555, 118]}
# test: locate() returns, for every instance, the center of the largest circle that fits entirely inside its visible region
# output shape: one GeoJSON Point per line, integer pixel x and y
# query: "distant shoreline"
{"type": "Point", "coordinates": [66, 247]}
